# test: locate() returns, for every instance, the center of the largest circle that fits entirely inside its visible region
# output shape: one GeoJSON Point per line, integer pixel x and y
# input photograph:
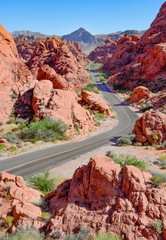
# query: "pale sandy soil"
{"type": "Point", "coordinates": [148, 154]}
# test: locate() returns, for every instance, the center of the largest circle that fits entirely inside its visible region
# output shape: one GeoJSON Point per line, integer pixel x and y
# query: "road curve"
{"type": "Point", "coordinates": [31, 163]}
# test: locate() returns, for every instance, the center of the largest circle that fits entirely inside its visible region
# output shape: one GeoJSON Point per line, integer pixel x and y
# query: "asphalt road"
{"type": "Point", "coordinates": [31, 163]}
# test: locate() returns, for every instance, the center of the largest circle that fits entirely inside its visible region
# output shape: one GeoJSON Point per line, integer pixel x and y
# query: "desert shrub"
{"type": "Point", "coordinates": [46, 130]}
{"type": "Point", "coordinates": [157, 225]}
{"type": "Point", "coordinates": [99, 116]}
{"type": "Point", "coordinates": [158, 179]}
{"type": "Point", "coordinates": [11, 137]}
{"type": "Point", "coordinates": [45, 183]}
{"type": "Point", "coordinates": [127, 159]}
{"type": "Point", "coordinates": [154, 135]}
{"type": "Point", "coordinates": [107, 236]}
{"type": "Point", "coordinates": [83, 234]}
{"type": "Point", "coordinates": [56, 234]}
{"type": "Point", "coordinates": [45, 216]}
{"type": "Point", "coordinates": [102, 76]}
{"type": "Point", "coordinates": [25, 234]}
{"type": "Point", "coordinates": [91, 88]}
{"type": "Point", "coordinates": [126, 140]}
{"type": "Point", "coordinates": [2, 147]}
{"type": "Point", "coordinates": [21, 121]}
{"type": "Point", "coordinates": [162, 158]}
{"type": "Point", "coordinates": [8, 221]}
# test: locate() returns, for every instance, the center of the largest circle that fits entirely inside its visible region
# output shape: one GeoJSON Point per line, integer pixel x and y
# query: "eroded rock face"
{"type": "Point", "coordinates": [103, 52]}
{"type": "Point", "coordinates": [19, 201]}
{"type": "Point", "coordinates": [95, 102]}
{"type": "Point", "coordinates": [141, 61]}
{"type": "Point", "coordinates": [15, 78]}
{"type": "Point", "coordinates": [64, 61]}
{"type": "Point", "coordinates": [61, 104]}
{"type": "Point", "coordinates": [140, 93]}
{"type": "Point", "coordinates": [151, 127]}
{"type": "Point", "coordinates": [105, 197]}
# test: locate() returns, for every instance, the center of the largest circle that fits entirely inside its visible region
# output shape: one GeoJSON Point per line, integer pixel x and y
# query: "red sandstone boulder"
{"type": "Point", "coordinates": [151, 127]}
{"type": "Point", "coordinates": [140, 93]}
{"type": "Point", "coordinates": [104, 197]}
{"type": "Point", "coordinates": [18, 200]}
{"type": "Point", "coordinates": [95, 102]}
{"type": "Point", "coordinates": [61, 104]}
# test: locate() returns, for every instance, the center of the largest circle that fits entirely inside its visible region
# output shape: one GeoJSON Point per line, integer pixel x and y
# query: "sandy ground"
{"type": "Point", "coordinates": [148, 154]}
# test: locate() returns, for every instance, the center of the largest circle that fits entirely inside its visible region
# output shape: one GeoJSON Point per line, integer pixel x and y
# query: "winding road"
{"type": "Point", "coordinates": [31, 163]}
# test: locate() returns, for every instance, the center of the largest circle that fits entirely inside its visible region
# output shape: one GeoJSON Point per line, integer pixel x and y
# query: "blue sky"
{"type": "Point", "coordinates": [61, 17]}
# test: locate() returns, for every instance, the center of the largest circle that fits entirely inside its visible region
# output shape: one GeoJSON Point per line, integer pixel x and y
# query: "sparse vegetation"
{"type": "Point", "coordinates": [8, 221]}
{"type": "Point", "coordinates": [91, 88]}
{"type": "Point", "coordinates": [25, 234]}
{"type": "Point", "coordinates": [126, 140]}
{"type": "Point", "coordinates": [11, 137]}
{"type": "Point", "coordinates": [126, 159]}
{"type": "Point", "coordinates": [162, 158]}
{"type": "Point", "coordinates": [45, 182]}
{"type": "Point", "coordinates": [107, 236]}
{"type": "Point", "coordinates": [157, 225]}
{"type": "Point", "coordinates": [158, 179]}
{"type": "Point", "coordinates": [45, 216]}
{"type": "Point", "coordinates": [154, 135]}
{"type": "Point", "coordinates": [2, 147]}
{"type": "Point", "coordinates": [99, 116]}
{"type": "Point", "coordinates": [102, 76]}
{"type": "Point", "coordinates": [45, 130]}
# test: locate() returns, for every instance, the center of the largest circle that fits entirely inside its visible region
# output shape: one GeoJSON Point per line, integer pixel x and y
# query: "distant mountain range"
{"type": "Point", "coordinates": [86, 40]}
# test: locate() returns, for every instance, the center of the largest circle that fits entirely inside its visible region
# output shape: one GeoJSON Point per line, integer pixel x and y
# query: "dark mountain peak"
{"type": "Point", "coordinates": [80, 35]}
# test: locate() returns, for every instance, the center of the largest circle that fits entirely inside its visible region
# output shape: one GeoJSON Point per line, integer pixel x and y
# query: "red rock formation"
{"type": "Point", "coordinates": [15, 78]}
{"type": "Point", "coordinates": [100, 53]}
{"type": "Point", "coordinates": [104, 197]}
{"type": "Point", "coordinates": [143, 61]}
{"type": "Point", "coordinates": [61, 104]}
{"type": "Point", "coordinates": [95, 102]}
{"type": "Point", "coordinates": [140, 93]}
{"type": "Point", "coordinates": [123, 54]}
{"type": "Point", "coordinates": [151, 127]}
{"type": "Point", "coordinates": [19, 201]}
{"type": "Point", "coordinates": [61, 58]}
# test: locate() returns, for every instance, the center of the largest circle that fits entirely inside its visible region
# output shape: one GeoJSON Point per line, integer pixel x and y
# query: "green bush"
{"type": "Point", "coordinates": [45, 183]}
{"type": "Point", "coordinates": [107, 236]}
{"type": "Point", "coordinates": [23, 234]}
{"type": "Point", "coordinates": [126, 140]}
{"type": "Point", "coordinates": [45, 216]}
{"type": "Point", "coordinates": [99, 116]}
{"type": "Point", "coordinates": [45, 130]}
{"type": "Point", "coordinates": [8, 221]}
{"type": "Point", "coordinates": [11, 137]}
{"type": "Point", "coordinates": [127, 159]}
{"type": "Point", "coordinates": [2, 147]}
{"type": "Point", "coordinates": [91, 88]}
{"type": "Point", "coordinates": [162, 158]}
{"type": "Point", "coordinates": [102, 76]}
{"type": "Point", "coordinates": [158, 179]}
{"type": "Point", "coordinates": [157, 225]}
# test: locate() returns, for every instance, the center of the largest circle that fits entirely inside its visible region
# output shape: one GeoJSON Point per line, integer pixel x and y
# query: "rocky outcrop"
{"type": "Point", "coordinates": [18, 201]}
{"type": "Point", "coordinates": [123, 54]}
{"type": "Point", "coordinates": [140, 93]}
{"type": "Point", "coordinates": [151, 127]}
{"type": "Point", "coordinates": [61, 104]}
{"type": "Point", "coordinates": [104, 197]}
{"type": "Point", "coordinates": [100, 53]}
{"type": "Point", "coordinates": [141, 62]}
{"type": "Point", "coordinates": [95, 102]}
{"type": "Point", "coordinates": [142, 96]}
{"type": "Point", "coordinates": [64, 60]}
{"type": "Point", "coordinates": [15, 78]}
